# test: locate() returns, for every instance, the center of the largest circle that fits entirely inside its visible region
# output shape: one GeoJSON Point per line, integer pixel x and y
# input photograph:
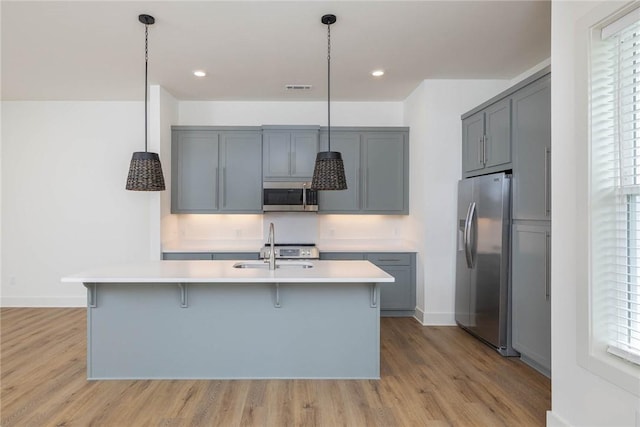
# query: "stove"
{"type": "Point", "coordinates": [291, 251]}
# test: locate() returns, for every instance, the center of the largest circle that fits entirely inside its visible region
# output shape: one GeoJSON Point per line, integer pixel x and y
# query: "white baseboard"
{"type": "Point", "coordinates": [553, 420]}
{"type": "Point", "coordinates": [434, 319]}
{"type": "Point", "coordinates": [419, 316]}
{"type": "Point", "coordinates": [43, 301]}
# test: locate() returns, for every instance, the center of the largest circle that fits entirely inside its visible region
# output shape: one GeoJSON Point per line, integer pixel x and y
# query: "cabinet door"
{"type": "Point", "coordinates": [531, 290]}
{"type": "Point", "coordinates": [241, 172]}
{"type": "Point", "coordinates": [304, 147]}
{"type": "Point", "coordinates": [385, 186]}
{"type": "Point", "coordinates": [195, 172]}
{"type": "Point", "coordinates": [396, 296]}
{"type": "Point", "coordinates": [472, 137]}
{"type": "Point", "coordinates": [343, 201]}
{"type": "Point", "coordinates": [497, 144]}
{"type": "Point", "coordinates": [532, 151]}
{"type": "Point", "coordinates": [342, 256]}
{"type": "Point", "coordinates": [277, 154]}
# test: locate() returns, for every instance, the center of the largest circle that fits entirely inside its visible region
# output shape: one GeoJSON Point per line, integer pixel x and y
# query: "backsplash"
{"type": "Point", "coordinates": [295, 227]}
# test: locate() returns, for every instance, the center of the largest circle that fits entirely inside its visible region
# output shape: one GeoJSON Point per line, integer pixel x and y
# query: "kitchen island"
{"type": "Point", "coordinates": [212, 320]}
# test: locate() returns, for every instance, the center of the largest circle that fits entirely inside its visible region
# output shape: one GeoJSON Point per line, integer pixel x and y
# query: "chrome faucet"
{"type": "Point", "coordinates": [272, 252]}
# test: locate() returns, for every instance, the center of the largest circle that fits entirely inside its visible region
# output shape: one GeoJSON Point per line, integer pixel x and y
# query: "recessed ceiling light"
{"type": "Point", "coordinates": [199, 73]}
{"type": "Point", "coordinates": [377, 73]}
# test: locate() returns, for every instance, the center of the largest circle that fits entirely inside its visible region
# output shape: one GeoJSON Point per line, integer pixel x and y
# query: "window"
{"type": "Point", "coordinates": [615, 188]}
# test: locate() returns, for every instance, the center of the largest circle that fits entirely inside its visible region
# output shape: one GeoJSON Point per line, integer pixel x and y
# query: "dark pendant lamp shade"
{"type": "Point", "coordinates": [328, 173]}
{"type": "Point", "coordinates": [145, 170]}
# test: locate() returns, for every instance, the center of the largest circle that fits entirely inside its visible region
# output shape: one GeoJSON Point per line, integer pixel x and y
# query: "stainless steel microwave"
{"type": "Point", "coordinates": [289, 197]}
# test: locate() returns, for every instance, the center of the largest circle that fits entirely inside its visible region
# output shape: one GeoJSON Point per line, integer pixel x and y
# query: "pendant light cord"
{"type": "Point", "coordinates": [329, 86]}
{"type": "Point", "coordinates": [146, 69]}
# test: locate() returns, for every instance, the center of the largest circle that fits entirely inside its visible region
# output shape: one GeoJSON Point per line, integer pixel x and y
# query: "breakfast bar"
{"type": "Point", "coordinates": [233, 320]}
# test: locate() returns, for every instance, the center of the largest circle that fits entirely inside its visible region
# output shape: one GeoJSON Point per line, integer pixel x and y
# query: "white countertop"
{"type": "Point", "coordinates": [224, 272]}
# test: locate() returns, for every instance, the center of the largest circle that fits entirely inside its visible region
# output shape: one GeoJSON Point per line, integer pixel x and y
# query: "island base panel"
{"type": "Point", "coordinates": [226, 331]}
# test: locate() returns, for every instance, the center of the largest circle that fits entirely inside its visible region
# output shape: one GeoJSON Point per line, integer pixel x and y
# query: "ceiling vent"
{"type": "Point", "coordinates": [298, 87]}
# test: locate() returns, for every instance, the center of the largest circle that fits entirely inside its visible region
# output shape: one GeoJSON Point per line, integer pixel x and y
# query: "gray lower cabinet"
{"type": "Point", "coordinates": [396, 299]}
{"type": "Point", "coordinates": [289, 153]}
{"type": "Point", "coordinates": [218, 256]}
{"type": "Point", "coordinates": [532, 151]}
{"type": "Point", "coordinates": [215, 170]}
{"type": "Point", "coordinates": [531, 293]}
{"type": "Point", "coordinates": [486, 140]}
{"type": "Point", "coordinates": [376, 166]}
{"type": "Point", "coordinates": [186, 256]}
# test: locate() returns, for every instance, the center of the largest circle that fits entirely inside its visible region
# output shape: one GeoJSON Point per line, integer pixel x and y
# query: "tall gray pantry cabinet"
{"type": "Point", "coordinates": [531, 232]}
{"type": "Point", "coordinates": [512, 133]}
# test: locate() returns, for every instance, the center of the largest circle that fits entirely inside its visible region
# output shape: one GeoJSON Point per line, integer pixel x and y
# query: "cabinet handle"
{"type": "Point", "coordinates": [358, 180]}
{"type": "Point", "coordinates": [484, 149]}
{"type": "Point", "coordinates": [366, 187]}
{"type": "Point", "coordinates": [388, 260]}
{"type": "Point", "coordinates": [480, 151]}
{"type": "Point", "coordinates": [547, 275]}
{"type": "Point", "coordinates": [293, 163]}
{"type": "Point", "coordinates": [547, 172]}
{"type": "Point", "coordinates": [224, 190]}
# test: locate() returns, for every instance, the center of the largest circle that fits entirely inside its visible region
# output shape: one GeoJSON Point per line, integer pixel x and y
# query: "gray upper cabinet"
{"type": "Point", "coordinates": [497, 143]}
{"type": "Point", "coordinates": [386, 182]}
{"type": "Point", "coordinates": [241, 180]}
{"type": "Point", "coordinates": [289, 154]}
{"type": "Point", "coordinates": [472, 143]}
{"type": "Point", "coordinates": [532, 151]}
{"type": "Point", "coordinates": [531, 288]}
{"type": "Point", "coordinates": [216, 171]}
{"type": "Point", "coordinates": [376, 166]}
{"type": "Point", "coordinates": [486, 140]}
{"type": "Point", "coordinates": [194, 165]}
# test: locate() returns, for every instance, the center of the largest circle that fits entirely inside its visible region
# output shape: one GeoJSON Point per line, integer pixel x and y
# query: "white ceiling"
{"type": "Point", "coordinates": [94, 50]}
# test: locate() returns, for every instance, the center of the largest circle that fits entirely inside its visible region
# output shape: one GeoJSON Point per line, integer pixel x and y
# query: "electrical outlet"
{"type": "Point", "coordinates": [12, 280]}
{"type": "Point", "coordinates": [238, 233]}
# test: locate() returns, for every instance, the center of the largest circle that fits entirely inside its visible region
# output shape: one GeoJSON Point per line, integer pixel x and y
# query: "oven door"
{"type": "Point", "coordinates": [289, 197]}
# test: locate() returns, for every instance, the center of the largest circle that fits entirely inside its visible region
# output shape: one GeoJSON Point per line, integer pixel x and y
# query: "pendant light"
{"type": "Point", "coordinates": [145, 171]}
{"type": "Point", "coordinates": [328, 173]}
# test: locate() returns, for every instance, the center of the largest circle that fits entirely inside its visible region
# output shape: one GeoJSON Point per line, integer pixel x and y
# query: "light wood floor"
{"type": "Point", "coordinates": [431, 376]}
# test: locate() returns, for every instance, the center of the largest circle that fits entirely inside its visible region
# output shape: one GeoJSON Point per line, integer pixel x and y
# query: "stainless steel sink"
{"type": "Point", "coordinates": [280, 264]}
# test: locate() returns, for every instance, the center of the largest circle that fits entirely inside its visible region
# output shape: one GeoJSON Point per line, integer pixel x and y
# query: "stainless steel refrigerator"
{"type": "Point", "coordinates": [483, 300]}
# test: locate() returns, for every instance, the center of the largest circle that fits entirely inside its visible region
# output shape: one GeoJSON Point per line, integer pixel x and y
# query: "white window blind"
{"type": "Point", "coordinates": [615, 190]}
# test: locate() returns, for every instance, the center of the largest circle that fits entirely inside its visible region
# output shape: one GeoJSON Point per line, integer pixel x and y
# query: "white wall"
{"type": "Point", "coordinates": [290, 113]}
{"type": "Point", "coordinates": [433, 112]}
{"type": "Point", "coordinates": [579, 397]}
{"type": "Point", "coordinates": [64, 207]}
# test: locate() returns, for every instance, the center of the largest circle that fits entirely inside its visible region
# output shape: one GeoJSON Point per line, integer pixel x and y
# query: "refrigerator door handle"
{"type": "Point", "coordinates": [467, 234]}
